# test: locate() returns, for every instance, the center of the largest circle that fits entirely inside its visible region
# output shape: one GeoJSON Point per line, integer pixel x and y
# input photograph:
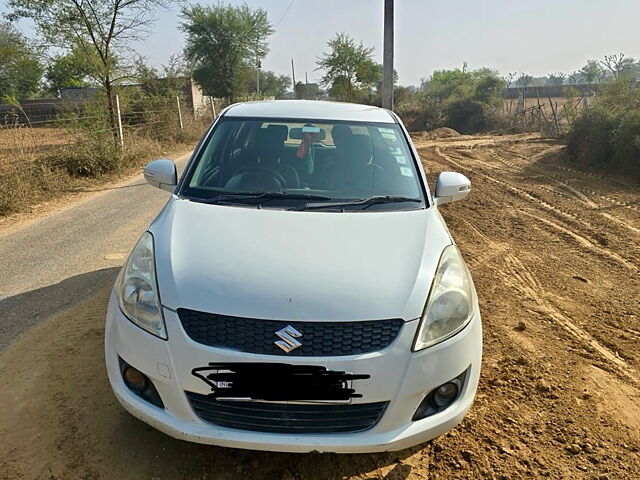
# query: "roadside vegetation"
{"type": "Point", "coordinates": [607, 135]}
{"type": "Point", "coordinates": [86, 47]}
{"type": "Point", "coordinates": [468, 101]}
{"type": "Point", "coordinates": [127, 113]}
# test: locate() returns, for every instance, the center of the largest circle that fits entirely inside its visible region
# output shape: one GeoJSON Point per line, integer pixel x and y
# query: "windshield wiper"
{"type": "Point", "coordinates": [360, 202]}
{"type": "Point", "coordinates": [260, 197]}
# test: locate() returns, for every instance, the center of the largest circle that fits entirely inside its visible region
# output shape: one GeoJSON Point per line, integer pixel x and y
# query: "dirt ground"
{"type": "Point", "coordinates": [555, 255]}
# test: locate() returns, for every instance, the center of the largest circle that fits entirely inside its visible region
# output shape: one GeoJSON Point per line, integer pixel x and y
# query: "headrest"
{"type": "Point", "coordinates": [281, 131]}
{"type": "Point", "coordinates": [269, 143]}
{"type": "Point", "coordinates": [358, 148]}
{"type": "Point", "coordinates": [341, 133]}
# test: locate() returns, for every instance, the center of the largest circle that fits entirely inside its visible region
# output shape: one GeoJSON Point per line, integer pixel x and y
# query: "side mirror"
{"type": "Point", "coordinates": [451, 186]}
{"type": "Point", "coordinates": [162, 174]}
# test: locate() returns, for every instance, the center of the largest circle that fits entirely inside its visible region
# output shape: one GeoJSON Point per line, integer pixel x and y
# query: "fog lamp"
{"type": "Point", "coordinates": [139, 384]}
{"type": "Point", "coordinates": [441, 397]}
{"type": "Point", "coordinates": [445, 394]}
{"type": "Point", "coordinates": [134, 379]}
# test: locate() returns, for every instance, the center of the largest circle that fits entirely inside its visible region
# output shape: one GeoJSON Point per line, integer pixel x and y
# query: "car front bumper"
{"type": "Point", "coordinates": [399, 376]}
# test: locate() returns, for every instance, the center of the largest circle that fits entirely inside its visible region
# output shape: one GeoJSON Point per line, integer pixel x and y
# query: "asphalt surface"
{"type": "Point", "coordinates": [64, 257]}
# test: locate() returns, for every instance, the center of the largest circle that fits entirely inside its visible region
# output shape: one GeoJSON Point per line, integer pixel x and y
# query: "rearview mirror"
{"type": "Point", "coordinates": [296, 133]}
{"type": "Point", "coordinates": [451, 186]}
{"type": "Point", "coordinates": [162, 174]}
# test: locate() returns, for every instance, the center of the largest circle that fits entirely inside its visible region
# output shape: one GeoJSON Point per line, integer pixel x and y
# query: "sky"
{"type": "Point", "coordinates": [535, 37]}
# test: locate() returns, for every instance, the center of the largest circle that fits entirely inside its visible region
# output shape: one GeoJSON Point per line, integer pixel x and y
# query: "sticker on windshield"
{"type": "Point", "coordinates": [388, 134]}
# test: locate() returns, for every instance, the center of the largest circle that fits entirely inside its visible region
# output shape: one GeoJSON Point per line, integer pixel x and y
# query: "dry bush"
{"type": "Point", "coordinates": [37, 164]}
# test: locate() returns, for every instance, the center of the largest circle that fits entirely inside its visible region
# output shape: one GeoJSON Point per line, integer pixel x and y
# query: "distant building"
{"type": "Point", "coordinates": [78, 94]}
{"type": "Point", "coordinates": [43, 110]}
{"type": "Point", "coordinates": [192, 97]}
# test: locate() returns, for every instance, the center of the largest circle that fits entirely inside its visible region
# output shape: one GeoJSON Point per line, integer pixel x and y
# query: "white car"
{"type": "Point", "coordinates": [299, 291]}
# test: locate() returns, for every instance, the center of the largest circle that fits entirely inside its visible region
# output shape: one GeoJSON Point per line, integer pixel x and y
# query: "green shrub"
{"type": "Point", "coordinates": [589, 142]}
{"type": "Point", "coordinates": [425, 115]}
{"type": "Point", "coordinates": [608, 134]}
{"type": "Point", "coordinates": [626, 143]}
{"type": "Point", "coordinates": [467, 100]}
{"type": "Point", "coordinates": [466, 116]}
{"type": "Point", "coordinates": [93, 155]}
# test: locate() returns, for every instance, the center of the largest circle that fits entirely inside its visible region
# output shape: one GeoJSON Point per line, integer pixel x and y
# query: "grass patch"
{"type": "Point", "coordinates": [40, 164]}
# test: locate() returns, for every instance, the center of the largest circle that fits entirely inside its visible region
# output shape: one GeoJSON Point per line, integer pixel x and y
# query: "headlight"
{"type": "Point", "coordinates": [137, 289]}
{"type": "Point", "coordinates": [450, 303]}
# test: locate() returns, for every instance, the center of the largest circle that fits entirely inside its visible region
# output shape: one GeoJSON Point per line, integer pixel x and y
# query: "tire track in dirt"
{"type": "Point", "coordinates": [563, 183]}
{"type": "Point", "coordinates": [577, 194]}
{"type": "Point", "coordinates": [594, 206]}
{"type": "Point", "coordinates": [522, 279]}
{"type": "Point", "coordinates": [529, 286]}
{"type": "Point", "coordinates": [491, 251]}
{"type": "Point", "coordinates": [581, 240]}
{"type": "Point", "coordinates": [494, 152]}
{"type": "Point", "coordinates": [586, 175]}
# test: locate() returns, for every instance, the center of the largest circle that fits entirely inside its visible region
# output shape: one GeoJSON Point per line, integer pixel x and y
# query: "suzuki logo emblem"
{"type": "Point", "coordinates": [288, 337]}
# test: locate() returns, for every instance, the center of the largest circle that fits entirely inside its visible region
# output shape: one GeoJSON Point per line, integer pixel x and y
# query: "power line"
{"type": "Point", "coordinates": [284, 14]}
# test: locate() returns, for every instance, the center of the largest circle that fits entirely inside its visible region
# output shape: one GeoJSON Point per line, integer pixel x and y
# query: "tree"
{"type": "Point", "coordinates": [488, 88]}
{"type": "Point", "coordinates": [349, 68]}
{"type": "Point", "coordinates": [308, 91]}
{"type": "Point", "coordinates": [20, 67]}
{"type": "Point", "coordinates": [524, 80]}
{"type": "Point", "coordinates": [66, 71]}
{"type": "Point", "coordinates": [618, 64]}
{"type": "Point", "coordinates": [459, 84]}
{"type": "Point", "coordinates": [167, 82]}
{"type": "Point", "coordinates": [99, 30]}
{"type": "Point", "coordinates": [508, 79]}
{"type": "Point", "coordinates": [591, 72]}
{"type": "Point", "coordinates": [273, 85]}
{"type": "Point", "coordinates": [556, 78]}
{"type": "Point", "coordinates": [574, 78]}
{"type": "Point", "coordinates": [224, 42]}
{"type": "Point", "coordinates": [467, 100]}
{"type": "Point", "coordinates": [404, 97]}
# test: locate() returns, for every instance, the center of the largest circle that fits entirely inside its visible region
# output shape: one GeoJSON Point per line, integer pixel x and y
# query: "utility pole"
{"type": "Point", "coordinates": [293, 77]}
{"type": "Point", "coordinates": [387, 81]}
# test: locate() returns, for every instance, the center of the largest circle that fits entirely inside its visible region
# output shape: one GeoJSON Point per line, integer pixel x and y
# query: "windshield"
{"type": "Point", "coordinates": [291, 163]}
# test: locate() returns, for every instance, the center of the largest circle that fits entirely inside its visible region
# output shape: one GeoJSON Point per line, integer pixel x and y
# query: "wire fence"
{"type": "Point", "coordinates": [48, 147]}
{"type": "Point", "coordinates": [550, 115]}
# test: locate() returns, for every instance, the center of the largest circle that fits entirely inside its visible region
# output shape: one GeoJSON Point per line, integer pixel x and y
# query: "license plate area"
{"type": "Point", "coordinates": [278, 382]}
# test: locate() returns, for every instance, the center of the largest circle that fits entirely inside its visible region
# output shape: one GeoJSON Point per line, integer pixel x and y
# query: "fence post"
{"type": "Point", "coordinates": [120, 137]}
{"type": "Point", "coordinates": [213, 108]}
{"type": "Point", "coordinates": [179, 113]}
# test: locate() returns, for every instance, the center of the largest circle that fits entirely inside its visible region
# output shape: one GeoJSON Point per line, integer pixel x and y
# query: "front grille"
{"type": "Point", "coordinates": [287, 418]}
{"type": "Point", "coordinates": [318, 339]}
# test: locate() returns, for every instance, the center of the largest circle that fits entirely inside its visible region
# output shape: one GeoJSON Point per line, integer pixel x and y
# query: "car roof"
{"type": "Point", "coordinates": [311, 110]}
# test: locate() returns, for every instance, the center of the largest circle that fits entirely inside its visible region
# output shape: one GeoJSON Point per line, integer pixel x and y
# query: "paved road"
{"type": "Point", "coordinates": [65, 257]}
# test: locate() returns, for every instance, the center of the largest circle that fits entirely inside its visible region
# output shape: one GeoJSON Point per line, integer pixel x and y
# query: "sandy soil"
{"type": "Point", "coordinates": [555, 255]}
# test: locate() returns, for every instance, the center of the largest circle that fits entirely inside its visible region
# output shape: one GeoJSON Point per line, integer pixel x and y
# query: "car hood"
{"type": "Point", "coordinates": [284, 265]}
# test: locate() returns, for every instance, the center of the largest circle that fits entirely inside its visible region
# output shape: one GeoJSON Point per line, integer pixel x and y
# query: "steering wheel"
{"type": "Point", "coordinates": [257, 178]}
